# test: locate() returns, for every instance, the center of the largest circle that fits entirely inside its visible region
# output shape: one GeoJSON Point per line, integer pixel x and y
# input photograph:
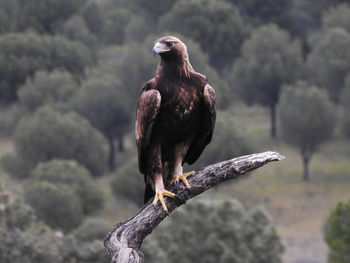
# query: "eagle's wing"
{"type": "Point", "coordinates": [205, 133]}
{"type": "Point", "coordinates": [146, 114]}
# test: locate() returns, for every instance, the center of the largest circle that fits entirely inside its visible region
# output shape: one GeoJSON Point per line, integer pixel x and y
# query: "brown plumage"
{"type": "Point", "coordinates": [175, 118]}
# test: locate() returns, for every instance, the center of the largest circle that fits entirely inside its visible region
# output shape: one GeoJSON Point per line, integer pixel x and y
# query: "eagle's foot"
{"type": "Point", "coordinates": [182, 177]}
{"type": "Point", "coordinates": [160, 197]}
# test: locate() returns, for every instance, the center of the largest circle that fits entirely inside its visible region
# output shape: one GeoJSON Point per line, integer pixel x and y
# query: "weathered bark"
{"type": "Point", "coordinates": [124, 241]}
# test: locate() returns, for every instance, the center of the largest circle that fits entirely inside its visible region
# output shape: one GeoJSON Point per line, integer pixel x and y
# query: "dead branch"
{"type": "Point", "coordinates": [124, 241]}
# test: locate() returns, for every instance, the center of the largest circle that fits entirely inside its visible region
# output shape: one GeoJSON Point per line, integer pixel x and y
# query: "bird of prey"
{"type": "Point", "coordinates": [175, 119]}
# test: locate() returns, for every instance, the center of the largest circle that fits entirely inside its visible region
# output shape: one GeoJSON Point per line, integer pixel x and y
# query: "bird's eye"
{"type": "Point", "coordinates": [169, 44]}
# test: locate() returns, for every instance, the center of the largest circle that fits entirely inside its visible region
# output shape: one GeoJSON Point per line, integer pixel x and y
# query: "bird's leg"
{"type": "Point", "coordinates": [160, 191]}
{"type": "Point", "coordinates": [180, 152]}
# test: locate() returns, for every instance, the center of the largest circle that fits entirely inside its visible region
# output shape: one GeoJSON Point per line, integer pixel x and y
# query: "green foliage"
{"type": "Point", "coordinates": [200, 20]}
{"type": "Point", "coordinates": [307, 119]}
{"type": "Point", "coordinates": [75, 177]}
{"type": "Point", "coordinates": [337, 233]}
{"type": "Point", "coordinates": [329, 61]}
{"type": "Point", "coordinates": [114, 31]}
{"type": "Point", "coordinates": [118, 62]}
{"type": "Point", "coordinates": [24, 239]}
{"type": "Point", "coordinates": [16, 166]}
{"type": "Point", "coordinates": [262, 12]}
{"type": "Point", "coordinates": [269, 59]}
{"type": "Point", "coordinates": [92, 229]}
{"type": "Point", "coordinates": [312, 114]}
{"type": "Point", "coordinates": [61, 208]}
{"type": "Point", "coordinates": [128, 183]}
{"type": "Point", "coordinates": [215, 231]}
{"type": "Point", "coordinates": [76, 29]}
{"type": "Point", "coordinates": [43, 16]}
{"type": "Point", "coordinates": [228, 142]}
{"type": "Point", "coordinates": [105, 103]}
{"type": "Point", "coordinates": [49, 134]}
{"type": "Point", "coordinates": [55, 89]}
{"type": "Point", "coordinates": [32, 246]}
{"type": "Point", "coordinates": [93, 17]}
{"type": "Point", "coordinates": [9, 118]}
{"type": "Point", "coordinates": [337, 16]}
{"type": "Point", "coordinates": [21, 54]}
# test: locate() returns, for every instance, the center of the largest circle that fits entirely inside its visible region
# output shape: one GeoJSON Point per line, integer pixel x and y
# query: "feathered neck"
{"type": "Point", "coordinates": [176, 66]}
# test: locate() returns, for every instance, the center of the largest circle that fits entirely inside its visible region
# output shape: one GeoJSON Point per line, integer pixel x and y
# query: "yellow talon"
{"type": "Point", "coordinates": [182, 177]}
{"type": "Point", "coordinates": [160, 197]}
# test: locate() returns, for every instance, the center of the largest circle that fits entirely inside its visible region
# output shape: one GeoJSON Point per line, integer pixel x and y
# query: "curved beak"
{"type": "Point", "coordinates": [159, 48]}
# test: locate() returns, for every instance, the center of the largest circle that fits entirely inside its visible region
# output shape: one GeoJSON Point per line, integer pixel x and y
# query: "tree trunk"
{"type": "Point", "coordinates": [273, 120]}
{"type": "Point", "coordinates": [124, 241]}
{"type": "Point", "coordinates": [121, 147]}
{"type": "Point", "coordinates": [306, 173]}
{"type": "Point", "coordinates": [111, 160]}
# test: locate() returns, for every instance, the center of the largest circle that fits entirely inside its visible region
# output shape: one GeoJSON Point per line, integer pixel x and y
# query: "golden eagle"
{"type": "Point", "coordinates": [175, 119]}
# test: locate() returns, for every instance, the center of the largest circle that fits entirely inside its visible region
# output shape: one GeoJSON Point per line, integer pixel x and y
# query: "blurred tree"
{"type": "Point", "coordinates": [128, 183]}
{"type": "Point", "coordinates": [215, 231]}
{"type": "Point", "coordinates": [57, 204]}
{"type": "Point", "coordinates": [337, 233]}
{"type": "Point", "coordinates": [108, 108]}
{"type": "Point", "coordinates": [45, 16]}
{"type": "Point", "coordinates": [93, 16]}
{"type": "Point", "coordinates": [306, 15]}
{"type": "Point", "coordinates": [92, 229]}
{"type": "Point", "coordinates": [345, 107]}
{"type": "Point", "coordinates": [120, 62]}
{"type": "Point", "coordinates": [307, 119]}
{"type": "Point", "coordinates": [269, 59]}
{"type": "Point", "coordinates": [21, 55]}
{"type": "Point", "coordinates": [76, 177]}
{"type": "Point", "coordinates": [337, 16]}
{"type": "Point", "coordinates": [76, 29]}
{"type": "Point", "coordinates": [49, 134]}
{"type": "Point", "coordinates": [9, 118]}
{"type": "Point", "coordinates": [54, 88]}
{"type": "Point", "coordinates": [329, 61]}
{"type": "Point", "coordinates": [200, 20]}
{"type": "Point", "coordinates": [116, 21]}
{"type": "Point", "coordinates": [17, 167]}
{"type": "Point", "coordinates": [262, 12]}
{"type": "Point", "coordinates": [228, 142]}
{"type": "Point", "coordinates": [25, 239]}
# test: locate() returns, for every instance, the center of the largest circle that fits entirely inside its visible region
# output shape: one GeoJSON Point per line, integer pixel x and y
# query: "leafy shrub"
{"type": "Point", "coordinates": [16, 166]}
{"type": "Point", "coordinates": [215, 231]}
{"type": "Point", "coordinates": [49, 134]}
{"type": "Point", "coordinates": [24, 239]}
{"type": "Point", "coordinates": [127, 183]}
{"type": "Point", "coordinates": [54, 88]}
{"type": "Point", "coordinates": [337, 233]}
{"type": "Point", "coordinates": [74, 176]}
{"type": "Point", "coordinates": [57, 204]}
{"type": "Point", "coordinates": [91, 229]}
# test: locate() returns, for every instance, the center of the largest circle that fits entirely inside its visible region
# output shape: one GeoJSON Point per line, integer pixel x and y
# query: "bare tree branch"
{"type": "Point", "coordinates": [124, 241]}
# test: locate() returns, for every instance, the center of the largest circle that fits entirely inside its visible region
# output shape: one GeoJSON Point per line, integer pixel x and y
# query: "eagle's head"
{"type": "Point", "coordinates": [170, 48]}
{"type": "Point", "coordinates": [174, 56]}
